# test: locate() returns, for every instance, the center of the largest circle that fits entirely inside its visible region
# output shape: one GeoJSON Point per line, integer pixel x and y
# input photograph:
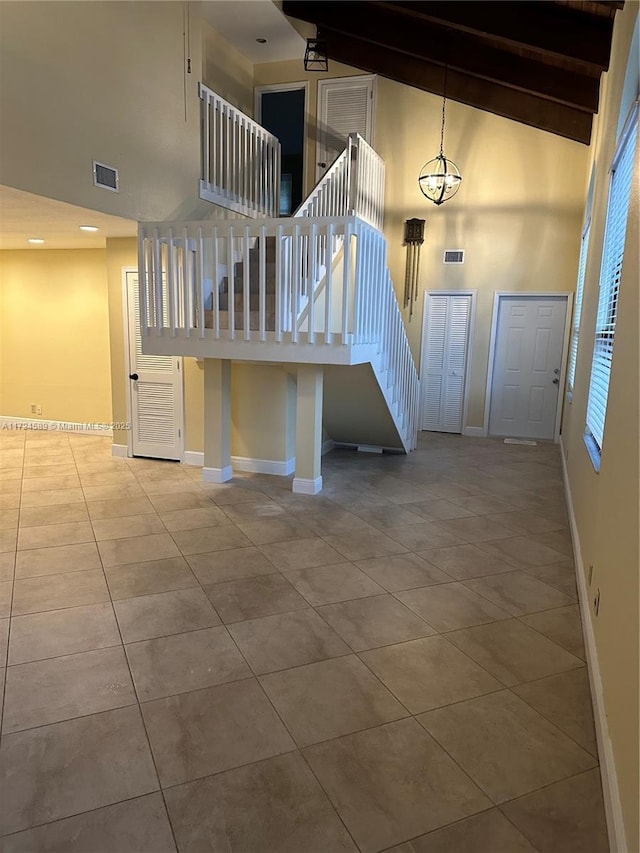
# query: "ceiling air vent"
{"type": "Point", "coordinates": [453, 256]}
{"type": "Point", "coordinates": [105, 176]}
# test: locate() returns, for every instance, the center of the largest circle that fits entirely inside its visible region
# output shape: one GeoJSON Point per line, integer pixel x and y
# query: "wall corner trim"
{"type": "Point", "coordinates": [302, 486]}
{"type": "Point", "coordinates": [217, 475]}
{"type": "Point", "coordinates": [610, 790]}
{"type": "Point", "coordinates": [327, 446]}
{"type": "Point", "coordinates": [120, 450]}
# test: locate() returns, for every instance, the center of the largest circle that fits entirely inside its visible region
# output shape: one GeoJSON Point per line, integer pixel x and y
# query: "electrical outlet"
{"type": "Point", "coordinates": [33, 408]}
{"type": "Point", "coordinates": [590, 574]}
{"type": "Point", "coordinates": [596, 602]}
{"type": "Point", "coordinates": [38, 410]}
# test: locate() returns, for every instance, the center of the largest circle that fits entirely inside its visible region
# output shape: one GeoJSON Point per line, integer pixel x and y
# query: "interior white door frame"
{"type": "Point", "coordinates": [519, 294]}
{"type": "Point", "coordinates": [472, 328]}
{"type": "Point", "coordinates": [126, 271]}
{"type": "Point", "coordinates": [288, 87]}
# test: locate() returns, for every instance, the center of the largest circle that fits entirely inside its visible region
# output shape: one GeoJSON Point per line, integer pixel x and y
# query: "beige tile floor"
{"type": "Point", "coordinates": [394, 665]}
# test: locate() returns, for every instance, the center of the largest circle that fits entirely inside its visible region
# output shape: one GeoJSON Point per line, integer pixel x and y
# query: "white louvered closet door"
{"type": "Point", "coordinates": [156, 394]}
{"type": "Point", "coordinates": [345, 105]}
{"type": "Point", "coordinates": [445, 346]}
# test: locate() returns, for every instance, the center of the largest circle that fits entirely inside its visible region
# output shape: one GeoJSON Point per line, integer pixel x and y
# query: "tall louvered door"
{"type": "Point", "coordinates": [155, 383]}
{"type": "Point", "coordinates": [345, 105]}
{"type": "Point", "coordinates": [445, 357]}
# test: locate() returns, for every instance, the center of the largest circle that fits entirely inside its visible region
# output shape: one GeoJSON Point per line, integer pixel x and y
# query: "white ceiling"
{"type": "Point", "coordinates": [241, 22]}
{"type": "Point", "coordinates": [24, 215]}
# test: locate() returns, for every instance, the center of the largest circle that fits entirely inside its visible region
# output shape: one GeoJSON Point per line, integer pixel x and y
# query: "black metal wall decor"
{"type": "Point", "coordinates": [413, 238]}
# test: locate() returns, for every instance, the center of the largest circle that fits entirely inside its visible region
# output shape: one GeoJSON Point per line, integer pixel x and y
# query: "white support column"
{"type": "Point", "coordinates": [217, 420]}
{"type": "Point", "coordinates": [308, 479]}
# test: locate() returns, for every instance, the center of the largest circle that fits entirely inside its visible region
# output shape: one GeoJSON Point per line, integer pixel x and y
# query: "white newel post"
{"type": "Point", "coordinates": [217, 420]}
{"type": "Point", "coordinates": [308, 479]}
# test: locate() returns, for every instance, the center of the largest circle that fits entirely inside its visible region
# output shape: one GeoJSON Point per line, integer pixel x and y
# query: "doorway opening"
{"type": "Point", "coordinates": [282, 111]}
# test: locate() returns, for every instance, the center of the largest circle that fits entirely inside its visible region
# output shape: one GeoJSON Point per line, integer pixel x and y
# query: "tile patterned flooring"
{"type": "Point", "coordinates": [394, 665]}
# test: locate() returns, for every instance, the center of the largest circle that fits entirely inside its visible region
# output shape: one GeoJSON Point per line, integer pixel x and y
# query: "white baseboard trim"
{"type": "Point", "coordinates": [369, 448]}
{"type": "Point", "coordinates": [474, 432]}
{"type": "Point", "coordinates": [301, 486]}
{"type": "Point", "coordinates": [217, 475]}
{"type": "Point", "coordinates": [194, 457]}
{"type": "Point", "coordinates": [610, 790]}
{"type": "Point", "coordinates": [327, 446]}
{"type": "Point", "coordinates": [281, 468]}
{"type": "Point", "coordinates": [120, 450]}
{"type": "Point", "coordinates": [7, 422]}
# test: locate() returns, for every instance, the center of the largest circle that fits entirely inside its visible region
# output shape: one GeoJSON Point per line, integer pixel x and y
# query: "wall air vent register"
{"type": "Point", "coordinates": [105, 176]}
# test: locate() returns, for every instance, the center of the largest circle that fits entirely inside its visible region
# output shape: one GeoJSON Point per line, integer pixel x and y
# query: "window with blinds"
{"type": "Point", "coordinates": [577, 311]}
{"type": "Point", "coordinates": [610, 274]}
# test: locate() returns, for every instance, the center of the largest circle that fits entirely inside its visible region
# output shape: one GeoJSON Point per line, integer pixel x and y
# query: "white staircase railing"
{"type": "Point", "coordinates": [240, 159]}
{"type": "Point", "coordinates": [228, 280]}
{"type": "Point", "coordinates": [353, 185]}
{"type": "Point", "coordinates": [378, 321]}
{"type": "Point", "coordinates": [206, 288]}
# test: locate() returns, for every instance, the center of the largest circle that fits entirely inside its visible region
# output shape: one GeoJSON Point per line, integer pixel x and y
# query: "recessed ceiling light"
{"type": "Point", "coordinates": [36, 240]}
{"type": "Point", "coordinates": [261, 41]}
{"type": "Point", "coordinates": [89, 228]}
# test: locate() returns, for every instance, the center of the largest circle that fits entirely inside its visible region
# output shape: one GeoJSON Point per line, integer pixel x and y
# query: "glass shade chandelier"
{"type": "Point", "coordinates": [440, 178]}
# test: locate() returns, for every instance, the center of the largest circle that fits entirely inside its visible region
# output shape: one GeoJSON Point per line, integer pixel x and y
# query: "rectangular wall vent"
{"type": "Point", "coordinates": [105, 176]}
{"type": "Point", "coordinates": [453, 256]}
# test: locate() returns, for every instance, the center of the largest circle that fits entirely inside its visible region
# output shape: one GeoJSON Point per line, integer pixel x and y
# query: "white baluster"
{"type": "Point", "coordinates": [246, 294]}
{"type": "Point", "coordinates": [263, 283]}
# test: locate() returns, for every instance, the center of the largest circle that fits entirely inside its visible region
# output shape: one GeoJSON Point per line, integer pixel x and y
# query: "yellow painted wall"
{"type": "Point", "coordinates": [54, 335]}
{"type": "Point", "coordinates": [606, 505]}
{"type": "Point", "coordinates": [260, 412]}
{"type": "Point", "coordinates": [517, 215]}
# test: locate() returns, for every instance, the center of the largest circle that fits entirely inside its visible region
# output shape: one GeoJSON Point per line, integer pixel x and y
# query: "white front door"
{"type": "Point", "coordinates": [345, 105]}
{"type": "Point", "coordinates": [527, 366]}
{"type": "Point", "coordinates": [156, 391]}
{"type": "Point", "coordinates": [445, 348]}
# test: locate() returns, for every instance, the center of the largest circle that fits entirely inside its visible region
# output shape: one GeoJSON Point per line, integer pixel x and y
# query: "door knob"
{"type": "Point", "coordinates": [133, 376]}
{"type": "Point", "coordinates": [556, 381]}
{"type": "Point", "coordinates": [322, 165]}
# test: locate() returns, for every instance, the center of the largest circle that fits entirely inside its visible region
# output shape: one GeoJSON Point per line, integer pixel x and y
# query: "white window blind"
{"type": "Point", "coordinates": [610, 274]}
{"type": "Point", "coordinates": [577, 311]}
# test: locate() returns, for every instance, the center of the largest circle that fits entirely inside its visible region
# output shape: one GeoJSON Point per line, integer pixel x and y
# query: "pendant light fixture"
{"type": "Point", "coordinates": [315, 55]}
{"type": "Point", "coordinates": [440, 178]}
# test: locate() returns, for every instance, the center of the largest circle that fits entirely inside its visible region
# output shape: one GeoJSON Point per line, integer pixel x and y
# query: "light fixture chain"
{"type": "Point", "coordinates": [444, 105]}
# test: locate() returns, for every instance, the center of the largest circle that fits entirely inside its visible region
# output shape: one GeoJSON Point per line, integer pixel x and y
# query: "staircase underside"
{"type": "Point", "coordinates": [354, 409]}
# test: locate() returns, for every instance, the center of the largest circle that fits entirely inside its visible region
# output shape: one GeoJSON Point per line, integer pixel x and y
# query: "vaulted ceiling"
{"type": "Point", "coordinates": [535, 62]}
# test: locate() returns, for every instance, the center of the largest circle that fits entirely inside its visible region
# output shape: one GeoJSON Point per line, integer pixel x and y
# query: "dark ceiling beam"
{"type": "Point", "coordinates": [550, 29]}
{"type": "Point", "coordinates": [425, 40]}
{"type": "Point", "coordinates": [491, 97]}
